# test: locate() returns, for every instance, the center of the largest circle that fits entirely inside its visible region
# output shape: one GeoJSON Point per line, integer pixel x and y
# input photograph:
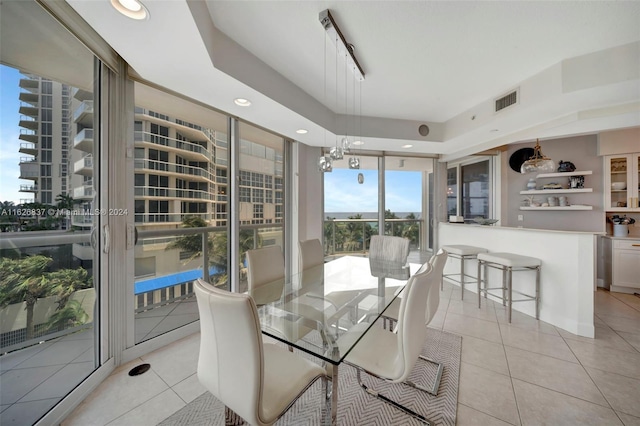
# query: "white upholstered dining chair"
{"type": "Point", "coordinates": [258, 381]}
{"type": "Point", "coordinates": [392, 356]}
{"type": "Point", "coordinates": [389, 248]}
{"type": "Point", "coordinates": [438, 262]}
{"type": "Point", "coordinates": [311, 261]}
{"type": "Point", "coordinates": [265, 274]}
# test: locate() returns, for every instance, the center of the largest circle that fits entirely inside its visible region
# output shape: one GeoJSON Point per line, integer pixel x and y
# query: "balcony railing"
{"type": "Point", "coordinates": [344, 236]}
{"type": "Point", "coordinates": [85, 108]}
{"type": "Point", "coordinates": [169, 217]}
{"type": "Point", "coordinates": [152, 191]}
{"type": "Point", "coordinates": [140, 136]}
{"type": "Point", "coordinates": [17, 323]}
{"type": "Point", "coordinates": [144, 164]}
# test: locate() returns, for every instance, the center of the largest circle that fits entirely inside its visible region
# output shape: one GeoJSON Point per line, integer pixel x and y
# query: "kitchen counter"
{"type": "Point", "coordinates": [568, 273]}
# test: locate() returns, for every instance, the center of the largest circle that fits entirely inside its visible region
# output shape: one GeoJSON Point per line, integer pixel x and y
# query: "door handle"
{"type": "Point", "coordinates": [106, 238]}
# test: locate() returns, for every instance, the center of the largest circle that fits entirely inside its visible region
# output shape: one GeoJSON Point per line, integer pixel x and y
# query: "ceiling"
{"type": "Point", "coordinates": [575, 65]}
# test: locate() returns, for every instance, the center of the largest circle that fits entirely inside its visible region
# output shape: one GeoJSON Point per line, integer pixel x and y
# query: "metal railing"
{"type": "Point", "coordinates": [346, 236]}
{"type": "Point", "coordinates": [144, 164]}
{"type": "Point", "coordinates": [140, 136]}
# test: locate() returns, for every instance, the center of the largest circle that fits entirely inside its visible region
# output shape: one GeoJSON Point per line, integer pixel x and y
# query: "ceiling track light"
{"type": "Point", "coordinates": [335, 35]}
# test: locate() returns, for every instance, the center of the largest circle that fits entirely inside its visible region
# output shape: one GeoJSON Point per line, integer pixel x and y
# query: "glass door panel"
{"type": "Point", "coordinates": [180, 208]}
{"type": "Point", "coordinates": [619, 187]}
{"type": "Point", "coordinates": [350, 206]}
{"type": "Point", "coordinates": [49, 278]}
{"type": "Point", "coordinates": [261, 192]}
{"type": "Point", "coordinates": [406, 198]}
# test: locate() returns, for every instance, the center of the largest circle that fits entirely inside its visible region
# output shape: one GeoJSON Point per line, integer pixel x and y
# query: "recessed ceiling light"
{"type": "Point", "coordinates": [407, 146]}
{"type": "Point", "coordinates": [358, 143]}
{"type": "Point", "coordinates": [302, 131]}
{"type": "Point", "coordinates": [242, 101]}
{"type": "Point", "coordinates": [131, 9]}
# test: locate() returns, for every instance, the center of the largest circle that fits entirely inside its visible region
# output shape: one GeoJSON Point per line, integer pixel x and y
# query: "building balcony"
{"type": "Point", "coordinates": [84, 166]}
{"type": "Point", "coordinates": [28, 148]}
{"type": "Point", "coordinates": [28, 188]}
{"type": "Point", "coordinates": [83, 221]}
{"type": "Point", "coordinates": [179, 170]}
{"type": "Point", "coordinates": [84, 114]}
{"type": "Point", "coordinates": [81, 94]}
{"type": "Point", "coordinates": [28, 135]}
{"type": "Point", "coordinates": [27, 122]}
{"type": "Point", "coordinates": [31, 98]}
{"type": "Point", "coordinates": [84, 192]}
{"type": "Point", "coordinates": [30, 84]}
{"type": "Point", "coordinates": [84, 140]}
{"type": "Point", "coordinates": [29, 168]}
{"type": "Point", "coordinates": [164, 218]}
{"type": "Point", "coordinates": [157, 192]}
{"type": "Point", "coordinates": [29, 111]}
{"type": "Point", "coordinates": [189, 150]}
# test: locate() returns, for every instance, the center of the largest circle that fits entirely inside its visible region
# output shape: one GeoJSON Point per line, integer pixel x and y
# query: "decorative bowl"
{"type": "Point", "coordinates": [483, 221]}
{"type": "Point", "coordinates": [618, 186]}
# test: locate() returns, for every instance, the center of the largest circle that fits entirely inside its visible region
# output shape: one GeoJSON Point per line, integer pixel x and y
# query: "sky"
{"type": "Point", "coordinates": [343, 193]}
{"type": "Point", "coordinates": [9, 132]}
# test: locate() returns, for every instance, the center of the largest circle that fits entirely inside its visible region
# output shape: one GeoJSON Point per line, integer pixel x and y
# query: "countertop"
{"type": "Point", "coordinates": [524, 229]}
{"type": "Point", "coordinates": [630, 237]}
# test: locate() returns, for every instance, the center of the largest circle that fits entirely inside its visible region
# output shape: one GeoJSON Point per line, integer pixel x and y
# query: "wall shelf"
{"type": "Point", "coordinates": [577, 173]}
{"type": "Point", "coordinates": [555, 191]}
{"type": "Point", "coordinates": [573, 207]}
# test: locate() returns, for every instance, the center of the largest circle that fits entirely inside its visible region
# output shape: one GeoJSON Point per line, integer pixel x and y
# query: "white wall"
{"type": "Point", "coordinates": [310, 194]}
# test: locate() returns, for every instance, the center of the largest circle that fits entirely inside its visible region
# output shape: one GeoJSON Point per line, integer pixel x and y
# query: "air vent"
{"type": "Point", "coordinates": [507, 100]}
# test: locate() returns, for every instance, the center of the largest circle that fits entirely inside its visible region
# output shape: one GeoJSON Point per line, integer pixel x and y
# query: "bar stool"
{"type": "Point", "coordinates": [507, 263]}
{"type": "Point", "coordinates": [462, 253]}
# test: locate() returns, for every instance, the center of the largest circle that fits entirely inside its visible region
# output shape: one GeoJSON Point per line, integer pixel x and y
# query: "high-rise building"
{"type": "Point", "coordinates": [45, 133]}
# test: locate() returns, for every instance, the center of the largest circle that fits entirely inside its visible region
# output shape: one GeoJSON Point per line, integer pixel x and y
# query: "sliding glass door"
{"type": "Point", "coordinates": [49, 262]}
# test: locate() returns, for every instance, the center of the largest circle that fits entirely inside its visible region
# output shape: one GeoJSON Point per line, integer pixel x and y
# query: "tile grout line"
{"type": "Point", "coordinates": [513, 389]}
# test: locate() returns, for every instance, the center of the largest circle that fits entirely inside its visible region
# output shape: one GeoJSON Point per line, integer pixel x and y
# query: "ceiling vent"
{"type": "Point", "coordinates": [506, 100]}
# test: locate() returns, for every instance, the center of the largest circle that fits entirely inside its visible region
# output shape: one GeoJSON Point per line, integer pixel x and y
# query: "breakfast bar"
{"type": "Point", "coordinates": [568, 272]}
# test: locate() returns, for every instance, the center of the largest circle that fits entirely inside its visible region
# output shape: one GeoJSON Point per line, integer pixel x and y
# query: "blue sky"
{"type": "Point", "coordinates": [343, 193]}
{"type": "Point", "coordinates": [9, 132]}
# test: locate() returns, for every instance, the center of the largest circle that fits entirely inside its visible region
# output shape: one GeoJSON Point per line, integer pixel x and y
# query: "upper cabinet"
{"type": "Point", "coordinates": [622, 182]}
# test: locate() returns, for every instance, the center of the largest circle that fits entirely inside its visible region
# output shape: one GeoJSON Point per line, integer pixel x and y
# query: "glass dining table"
{"type": "Point", "coordinates": [314, 309]}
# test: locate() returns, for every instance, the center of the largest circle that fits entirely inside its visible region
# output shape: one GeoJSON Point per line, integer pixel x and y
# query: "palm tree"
{"type": "Point", "coordinates": [191, 243]}
{"type": "Point", "coordinates": [411, 230]}
{"type": "Point", "coordinates": [24, 280]}
{"type": "Point", "coordinates": [71, 315]}
{"type": "Point", "coordinates": [65, 282]}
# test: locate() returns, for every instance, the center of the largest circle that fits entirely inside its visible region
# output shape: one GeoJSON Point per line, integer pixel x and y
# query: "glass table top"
{"type": "Point", "coordinates": [315, 307]}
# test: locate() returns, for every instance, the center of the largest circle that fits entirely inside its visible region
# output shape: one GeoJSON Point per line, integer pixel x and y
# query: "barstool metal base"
{"type": "Point", "coordinates": [507, 284]}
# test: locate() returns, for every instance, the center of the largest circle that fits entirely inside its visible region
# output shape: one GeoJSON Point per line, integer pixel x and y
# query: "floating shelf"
{"type": "Point", "coordinates": [551, 175]}
{"type": "Point", "coordinates": [555, 191]}
{"type": "Point", "coordinates": [575, 207]}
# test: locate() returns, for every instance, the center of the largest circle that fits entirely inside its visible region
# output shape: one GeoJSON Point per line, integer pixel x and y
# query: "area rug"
{"type": "Point", "coordinates": [355, 406]}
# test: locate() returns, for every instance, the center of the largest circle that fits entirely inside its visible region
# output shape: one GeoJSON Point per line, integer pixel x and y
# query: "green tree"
{"type": "Point", "coordinates": [389, 226]}
{"type": "Point", "coordinates": [191, 243]}
{"type": "Point", "coordinates": [24, 280]}
{"type": "Point", "coordinates": [411, 230]}
{"type": "Point", "coordinates": [65, 282]}
{"type": "Point", "coordinates": [71, 315]}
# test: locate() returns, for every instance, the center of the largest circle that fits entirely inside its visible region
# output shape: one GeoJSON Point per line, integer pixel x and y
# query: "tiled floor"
{"type": "Point", "coordinates": [35, 379]}
{"type": "Point", "coordinates": [527, 372]}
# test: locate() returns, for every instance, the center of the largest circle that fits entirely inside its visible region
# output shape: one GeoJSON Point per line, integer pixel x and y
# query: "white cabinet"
{"type": "Point", "coordinates": [565, 190]}
{"type": "Point", "coordinates": [621, 183]}
{"type": "Point", "coordinates": [625, 265]}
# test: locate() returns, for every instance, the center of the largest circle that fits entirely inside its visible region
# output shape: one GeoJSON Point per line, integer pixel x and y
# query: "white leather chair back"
{"type": "Point", "coordinates": [433, 299]}
{"type": "Point", "coordinates": [231, 358]}
{"type": "Point", "coordinates": [411, 329]}
{"type": "Point", "coordinates": [311, 262]}
{"type": "Point", "coordinates": [265, 274]}
{"type": "Point", "coordinates": [389, 248]}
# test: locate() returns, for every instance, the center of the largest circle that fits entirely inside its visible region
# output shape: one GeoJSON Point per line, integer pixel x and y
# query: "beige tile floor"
{"type": "Point", "coordinates": [524, 373]}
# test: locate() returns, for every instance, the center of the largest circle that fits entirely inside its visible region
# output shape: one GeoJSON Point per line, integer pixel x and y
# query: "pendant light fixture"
{"type": "Point", "coordinates": [538, 162]}
{"type": "Point", "coordinates": [325, 163]}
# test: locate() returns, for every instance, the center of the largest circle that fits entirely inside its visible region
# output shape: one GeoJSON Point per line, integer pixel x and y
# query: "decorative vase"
{"type": "Point", "coordinates": [531, 185]}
